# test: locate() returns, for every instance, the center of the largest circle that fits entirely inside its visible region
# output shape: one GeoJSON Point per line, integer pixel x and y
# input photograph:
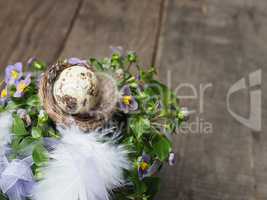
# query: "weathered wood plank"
{"type": "Point", "coordinates": [34, 28]}
{"type": "Point", "coordinates": [217, 42]}
{"type": "Point", "coordinates": [102, 24]}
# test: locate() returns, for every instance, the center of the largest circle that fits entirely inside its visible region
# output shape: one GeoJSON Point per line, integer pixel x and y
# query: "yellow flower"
{"type": "Point", "coordinates": [21, 87]}
{"type": "Point", "coordinates": [144, 166]}
{"type": "Point", "coordinates": [127, 100]}
{"type": "Point", "coordinates": [14, 74]}
{"type": "Point", "coordinates": [4, 93]}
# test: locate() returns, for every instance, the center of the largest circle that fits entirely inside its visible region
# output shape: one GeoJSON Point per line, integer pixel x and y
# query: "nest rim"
{"type": "Point", "coordinates": [95, 118]}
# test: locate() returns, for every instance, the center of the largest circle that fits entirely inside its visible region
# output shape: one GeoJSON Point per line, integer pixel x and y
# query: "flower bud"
{"type": "Point", "coordinates": [22, 113]}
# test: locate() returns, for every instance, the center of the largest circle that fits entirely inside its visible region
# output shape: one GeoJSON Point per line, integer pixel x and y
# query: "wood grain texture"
{"type": "Point", "coordinates": [34, 28]}
{"type": "Point", "coordinates": [102, 24]}
{"type": "Point", "coordinates": [217, 42]}
{"type": "Point", "coordinates": [201, 42]}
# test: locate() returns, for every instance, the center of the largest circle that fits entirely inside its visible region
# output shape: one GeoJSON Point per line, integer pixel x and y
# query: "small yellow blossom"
{"type": "Point", "coordinates": [144, 166]}
{"type": "Point", "coordinates": [4, 93]}
{"type": "Point", "coordinates": [127, 100]}
{"type": "Point", "coordinates": [21, 86]}
{"type": "Point", "coordinates": [14, 74]}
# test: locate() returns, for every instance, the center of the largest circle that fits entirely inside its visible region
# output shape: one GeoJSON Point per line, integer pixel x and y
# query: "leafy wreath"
{"type": "Point", "coordinates": [146, 114]}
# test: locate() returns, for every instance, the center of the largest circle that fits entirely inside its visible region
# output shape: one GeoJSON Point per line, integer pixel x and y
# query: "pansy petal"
{"type": "Point", "coordinates": [123, 107]}
{"type": "Point", "coordinates": [17, 94]}
{"type": "Point", "coordinates": [30, 61]}
{"type": "Point", "coordinates": [154, 168]}
{"type": "Point", "coordinates": [18, 66]}
{"type": "Point", "coordinates": [146, 158]}
{"type": "Point", "coordinates": [74, 61]}
{"type": "Point", "coordinates": [126, 90]}
{"type": "Point", "coordinates": [133, 105]}
{"type": "Point", "coordinates": [140, 173]}
{"type": "Point", "coordinates": [9, 69]}
{"type": "Point", "coordinates": [27, 80]}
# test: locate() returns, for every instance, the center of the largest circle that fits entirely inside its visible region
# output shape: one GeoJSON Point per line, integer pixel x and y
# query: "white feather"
{"type": "Point", "coordinates": [5, 130]}
{"type": "Point", "coordinates": [83, 167]}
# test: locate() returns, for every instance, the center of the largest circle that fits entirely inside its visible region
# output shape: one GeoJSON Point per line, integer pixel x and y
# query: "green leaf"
{"type": "Point", "coordinates": [98, 66]}
{"type": "Point", "coordinates": [139, 126]}
{"type": "Point", "coordinates": [161, 147]}
{"type": "Point", "coordinates": [147, 76]}
{"type": "Point", "coordinates": [13, 105]}
{"type": "Point", "coordinates": [40, 155]}
{"type": "Point", "coordinates": [26, 142]}
{"type": "Point", "coordinates": [33, 101]}
{"type": "Point", "coordinates": [18, 127]}
{"type": "Point", "coordinates": [2, 197]}
{"type": "Point", "coordinates": [36, 132]}
{"type": "Point", "coordinates": [2, 108]}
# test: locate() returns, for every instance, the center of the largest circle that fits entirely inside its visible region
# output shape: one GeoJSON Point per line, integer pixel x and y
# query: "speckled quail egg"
{"type": "Point", "coordinates": [75, 91]}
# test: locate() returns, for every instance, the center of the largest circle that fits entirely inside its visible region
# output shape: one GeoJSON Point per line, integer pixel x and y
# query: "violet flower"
{"type": "Point", "coordinates": [75, 61]}
{"type": "Point", "coordinates": [145, 169]}
{"type": "Point", "coordinates": [16, 178]}
{"type": "Point", "coordinates": [22, 85]}
{"type": "Point", "coordinates": [13, 73]}
{"type": "Point", "coordinates": [128, 102]}
{"type": "Point", "coordinates": [143, 165]}
{"type": "Point", "coordinates": [4, 94]}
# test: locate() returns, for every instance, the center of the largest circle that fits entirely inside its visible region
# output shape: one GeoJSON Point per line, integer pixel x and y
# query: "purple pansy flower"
{"type": "Point", "coordinates": [143, 165]}
{"type": "Point", "coordinates": [13, 73]}
{"type": "Point", "coordinates": [145, 169]}
{"type": "Point", "coordinates": [75, 61]}
{"type": "Point", "coordinates": [127, 102]}
{"type": "Point", "coordinates": [22, 85]}
{"type": "Point", "coordinates": [16, 178]}
{"type": "Point", "coordinates": [4, 93]}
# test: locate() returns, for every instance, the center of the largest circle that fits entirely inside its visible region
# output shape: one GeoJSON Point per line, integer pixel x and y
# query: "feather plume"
{"type": "Point", "coordinates": [83, 167]}
{"type": "Point", "coordinates": [5, 129]}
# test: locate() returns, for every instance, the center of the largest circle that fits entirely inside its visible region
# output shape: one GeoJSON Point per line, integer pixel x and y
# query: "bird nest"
{"type": "Point", "coordinates": [95, 117]}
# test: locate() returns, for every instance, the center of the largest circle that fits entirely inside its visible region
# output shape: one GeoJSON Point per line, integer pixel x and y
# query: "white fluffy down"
{"type": "Point", "coordinates": [5, 126]}
{"type": "Point", "coordinates": [82, 168]}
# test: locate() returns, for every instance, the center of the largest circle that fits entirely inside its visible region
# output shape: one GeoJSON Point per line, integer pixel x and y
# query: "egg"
{"type": "Point", "coordinates": [75, 90]}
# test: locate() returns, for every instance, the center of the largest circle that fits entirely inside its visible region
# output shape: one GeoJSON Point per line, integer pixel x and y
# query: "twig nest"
{"type": "Point", "coordinates": [77, 94]}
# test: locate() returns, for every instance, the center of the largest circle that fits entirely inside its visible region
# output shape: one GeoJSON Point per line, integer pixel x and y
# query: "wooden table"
{"type": "Point", "coordinates": [211, 43]}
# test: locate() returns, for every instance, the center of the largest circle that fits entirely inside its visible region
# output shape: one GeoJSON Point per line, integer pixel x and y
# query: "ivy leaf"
{"type": "Point", "coordinates": [148, 75]}
{"type": "Point", "coordinates": [2, 197]}
{"type": "Point", "coordinates": [2, 108]}
{"type": "Point", "coordinates": [13, 105]}
{"type": "Point", "coordinates": [39, 155]}
{"type": "Point", "coordinates": [18, 127]}
{"type": "Point", "coordinates": [36, 133]}
{"type": "Point", "coordinates": [139, 126]}
{"type": "Point", "coordinates": [33, 101]}
{"type": "Point", "coordinates": [161, 147]}
{"type": "Point", "coordinates": [98, 66]}
{"type": "Point", "coordinates": [26, 142]}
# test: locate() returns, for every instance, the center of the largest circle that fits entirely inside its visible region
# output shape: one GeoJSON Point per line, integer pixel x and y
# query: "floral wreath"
{"type": "Point", "coordinates": [120, 159]}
